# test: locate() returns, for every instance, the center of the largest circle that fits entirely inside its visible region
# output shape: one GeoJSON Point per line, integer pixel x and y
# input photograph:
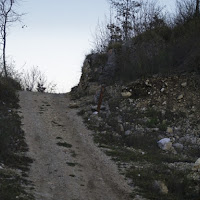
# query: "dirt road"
{"type": "Point", "coordinates": [67, 164]}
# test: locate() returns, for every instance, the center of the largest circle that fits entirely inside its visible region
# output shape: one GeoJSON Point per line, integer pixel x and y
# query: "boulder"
{"type": "Point", "coordinates": [165, 144]}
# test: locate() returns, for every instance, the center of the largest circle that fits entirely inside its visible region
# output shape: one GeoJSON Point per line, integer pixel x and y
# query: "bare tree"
{"type": "Point", "coordinates": [35, 80]}
{"type": "Point", "coordinates": [149, 16]}
{"type": "Point", "coordinates": [101, 37]}
{"type": "Point", "coordinates": [197, 8]}
{"type": "Point", "coordinates": [7, 17]}
{"type": "Point", "coordinates": [125, 10]}
{"type": "Point", "coordinates": [30, 78]}
{"type": "Point", "coordinates": [186, 10]}
{"type": "Point", "coordinates": [106, 33]}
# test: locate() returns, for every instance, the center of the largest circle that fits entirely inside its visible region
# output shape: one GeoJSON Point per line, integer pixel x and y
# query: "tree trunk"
{"type": "Point", "coordinates": [4, 48]}
{"type": "Point", "coordinates": [197, 8]}
{"type": "Point", "coordinates": [126, 20]}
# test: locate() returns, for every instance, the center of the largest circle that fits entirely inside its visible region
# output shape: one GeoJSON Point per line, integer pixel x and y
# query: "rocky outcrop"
{"type": "Point", "coordinates": [160, 187]}
{"type": "Point", "coordinates": [196, 166]}
{"type": "Point", "coordinates": [97, 69]}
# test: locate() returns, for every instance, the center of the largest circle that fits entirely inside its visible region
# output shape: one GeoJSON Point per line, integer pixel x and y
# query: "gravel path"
{"type": "Point", "coordinates": [67, 164]}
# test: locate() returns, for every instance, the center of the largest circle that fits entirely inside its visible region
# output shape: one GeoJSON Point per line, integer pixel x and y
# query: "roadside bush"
{"type": "Point", "coordinates": [11, 143]}
{"type": "Point", "coordinates": [185, 11]}
{"type": "Point", "coordinates": [8, 101]}
{"type": "Point", "coordinates": [163, 50]}
{"type": "Point", "coordinates": [8, 87]}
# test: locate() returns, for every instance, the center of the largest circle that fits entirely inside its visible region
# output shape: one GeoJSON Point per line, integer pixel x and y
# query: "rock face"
{"type": "Point", "coordinates": [97, 69]}
{"type": "Point", "coordinates": [196, 166]}
{"type": "Point", "coordinates": [165, 144]}
{"type": "Point", "coordinates": [108, 71]}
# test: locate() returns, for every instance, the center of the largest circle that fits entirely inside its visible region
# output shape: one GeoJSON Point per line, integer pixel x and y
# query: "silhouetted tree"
{"type": "Point", "coordinates": [35, 80]}
{"type": "Point", "coordinates": [7, 17]}
{"type": "Point", "coordinates": [125, 11]}
{"type": "Point", "coordinates": [197, 8]}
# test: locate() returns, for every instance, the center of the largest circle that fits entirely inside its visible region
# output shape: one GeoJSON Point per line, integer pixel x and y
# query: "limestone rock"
{"type": "Point", "coordinates": [165, 144]}
{"type": "Point", "coordinates": [170, 130]}
{"type": "Point", "coordinates": [184, 84]}
{"type": "Point", "coordinates": [162, 90]}
{"type": "Point", "coordinates": [128, 132]}
{"type": "Point", "coordinates": [178, 146]}
{"type": "Point", "coordinates": [126, 94]}
{"type": "Point", "coordinates": [160, 187]}
{"type": "Point", "coordinates": [147, 83]}
{"type": "Point", "coordinates": [196, 166]}
{"type": "Point", "coordinates": [180, 97]}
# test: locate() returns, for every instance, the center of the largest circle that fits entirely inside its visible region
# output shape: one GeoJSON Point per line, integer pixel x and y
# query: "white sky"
{"type": "Point", "coordinates": [57, 37]}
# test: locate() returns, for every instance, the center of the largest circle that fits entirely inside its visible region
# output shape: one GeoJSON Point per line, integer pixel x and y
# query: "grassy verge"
{"type": "Point", "coordinates": [14, 164]}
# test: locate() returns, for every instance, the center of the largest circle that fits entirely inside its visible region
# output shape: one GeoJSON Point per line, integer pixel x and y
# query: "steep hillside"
{"type": "Point", "coordinates": [149, 117]}
{"type": "Point", "coordinates": [151, 128]}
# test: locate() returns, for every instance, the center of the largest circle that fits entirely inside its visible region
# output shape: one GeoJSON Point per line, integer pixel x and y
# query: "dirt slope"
{"type": "Point", "coordinates": [67, 165]}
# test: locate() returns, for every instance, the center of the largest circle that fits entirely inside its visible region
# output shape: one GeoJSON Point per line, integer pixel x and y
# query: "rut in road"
{"type": "Point", "coordinates": [67, 164]}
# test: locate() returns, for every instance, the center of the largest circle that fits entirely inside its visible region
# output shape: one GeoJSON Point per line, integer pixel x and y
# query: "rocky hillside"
{"type": "Point", "coordinates": [150, 127]}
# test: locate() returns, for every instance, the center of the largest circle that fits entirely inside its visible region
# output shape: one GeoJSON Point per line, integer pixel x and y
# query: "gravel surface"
{"type": "Point", "coordinates": [67, 164]}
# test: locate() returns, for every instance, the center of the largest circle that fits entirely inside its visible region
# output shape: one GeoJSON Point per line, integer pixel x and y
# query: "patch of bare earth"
{"type": "Point", "coordinates": [67, 164]}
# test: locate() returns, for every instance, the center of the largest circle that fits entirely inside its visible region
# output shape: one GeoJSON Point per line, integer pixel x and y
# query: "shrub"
{"type": "Point", "coordinates": [8, 86]}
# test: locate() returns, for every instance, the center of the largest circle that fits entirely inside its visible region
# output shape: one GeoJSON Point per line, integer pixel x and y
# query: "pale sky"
{"type": "Point", "coordinates": [57, 37]}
